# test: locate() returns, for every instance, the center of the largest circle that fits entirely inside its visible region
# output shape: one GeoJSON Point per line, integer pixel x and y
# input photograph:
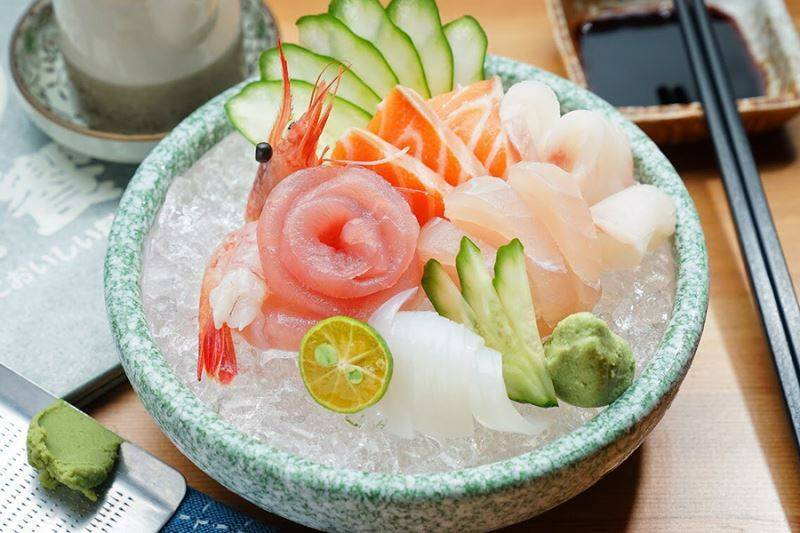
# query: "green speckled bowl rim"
{"type": "Point", "coordinates": [151, 376]}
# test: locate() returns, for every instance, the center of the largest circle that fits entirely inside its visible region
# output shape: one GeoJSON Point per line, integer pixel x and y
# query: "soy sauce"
{"type": "Point", "coordinates": [639, 58]}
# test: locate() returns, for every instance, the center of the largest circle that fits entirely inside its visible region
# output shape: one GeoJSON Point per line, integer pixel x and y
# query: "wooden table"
{"type": "Point", "coordinates": [723, 456]}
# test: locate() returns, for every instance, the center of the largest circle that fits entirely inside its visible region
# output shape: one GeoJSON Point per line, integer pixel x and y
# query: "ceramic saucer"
{"type": "Point", "coordinates": [50, 100]}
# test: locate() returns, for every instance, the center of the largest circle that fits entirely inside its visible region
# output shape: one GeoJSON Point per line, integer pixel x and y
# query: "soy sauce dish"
{"type": "Point", "coordinates": [759, 41]}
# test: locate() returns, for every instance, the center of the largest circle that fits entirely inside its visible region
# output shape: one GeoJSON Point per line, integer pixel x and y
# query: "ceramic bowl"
{"type": "Point", "coordinates": [483, 497]}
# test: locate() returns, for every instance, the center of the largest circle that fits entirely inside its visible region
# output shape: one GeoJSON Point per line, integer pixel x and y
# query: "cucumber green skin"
{"type": "Point", "coordinates": [469, 43]}
{"type": "Point", "coordinates": [510, 281]}
{"type": "Point", "coordinates": [520, 372]}
{"type": "Point", "coordinates": [445, 296]}
{"type": "Point", "coordinates": [306, 66]}
{"type": "Point", "coordinates": [249, 111]}
{"type": "Point", "coordinates": [368, 20]}
{"type": "Point", "coordinates": [512, 287]}
{"type": "Point", "coordinates": [420, 20]}
{"type": "Point", "coordinates": [360, 55]}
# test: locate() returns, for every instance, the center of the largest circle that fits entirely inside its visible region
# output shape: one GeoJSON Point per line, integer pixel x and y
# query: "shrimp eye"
{"type": "Point", "coordinates": [263, 152]}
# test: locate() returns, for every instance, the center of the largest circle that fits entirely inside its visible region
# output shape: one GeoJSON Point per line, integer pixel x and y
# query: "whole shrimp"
{"type": "Point", "coordinates": [233, 289]}
{"type": "Point", "coordinates": [231, 295]}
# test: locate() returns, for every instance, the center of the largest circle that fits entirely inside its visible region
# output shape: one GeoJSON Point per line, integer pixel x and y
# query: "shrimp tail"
{"type": "Point", "coordinates": [217, 355]}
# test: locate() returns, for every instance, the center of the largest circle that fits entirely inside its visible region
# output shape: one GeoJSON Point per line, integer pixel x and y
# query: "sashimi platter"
{"type": "Point", "coordinates": [395, 263]}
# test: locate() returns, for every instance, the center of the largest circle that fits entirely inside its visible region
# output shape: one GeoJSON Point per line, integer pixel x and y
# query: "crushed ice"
{"type": "Point", "coordinates": [268, 400]}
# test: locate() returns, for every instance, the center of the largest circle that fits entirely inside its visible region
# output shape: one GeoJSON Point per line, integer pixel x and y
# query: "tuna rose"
{"type": "Point", "coordinates": [332, 241]}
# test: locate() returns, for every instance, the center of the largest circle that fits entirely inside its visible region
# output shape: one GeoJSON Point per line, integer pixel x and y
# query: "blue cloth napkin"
{"type": "Point", "coordinates": [198, 512]}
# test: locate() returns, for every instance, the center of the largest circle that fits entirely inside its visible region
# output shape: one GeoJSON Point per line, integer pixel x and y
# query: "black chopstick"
{"type": "Point", "coordinates": [758, 238]}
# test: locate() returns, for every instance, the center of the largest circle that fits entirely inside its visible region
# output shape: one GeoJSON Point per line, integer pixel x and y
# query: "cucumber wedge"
{"type": "Point", "coordinates": [327, 35]}
{"type": "Point", "coordinates": [253, 111]}
{"type": "Point", "coordinates": [522, 370]}
{"type": "Point", "coordinates": [469, 42]}
{"type": "Point", "coordinates": [512, 287]}
{"type": "Point", "coordinates": [479, 293]}
{"type": "Point", "coordinates": [368, 19]}
{"type": "Point", "coordinates": [444, 295]}
{"type": "Point", "coordinates": [510, 278]}
{"type": "Point", "coordinates": [420, 20]}
{"type": "Point", "coordinates": [305, 65]}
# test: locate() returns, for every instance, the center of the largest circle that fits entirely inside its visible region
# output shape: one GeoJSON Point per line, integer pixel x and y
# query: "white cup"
{"type": "Point", "coordinates": [124, 56]}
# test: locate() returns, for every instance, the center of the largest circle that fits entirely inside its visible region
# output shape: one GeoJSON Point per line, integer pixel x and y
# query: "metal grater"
{"type": "Point", "coordinates": [142, 496]}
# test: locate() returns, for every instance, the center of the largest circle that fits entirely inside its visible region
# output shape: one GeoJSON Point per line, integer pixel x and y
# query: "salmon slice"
{"type": "Point", "coordinates": [422, 188]}
{"type": "Point", "coordinates": [406, 121]}
{"type": "Point", "coordinates": [492, 211]}
{"type": "Point", "coordinates": [473, 113]}
{"type": "Point", "coordinates": [553, 194]}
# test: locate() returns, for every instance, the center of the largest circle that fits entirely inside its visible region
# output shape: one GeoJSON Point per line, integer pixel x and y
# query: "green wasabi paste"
{"type": "Point", "coordinates": [590, 365]}
{"type": "Point", "coordinates": [70, 448]}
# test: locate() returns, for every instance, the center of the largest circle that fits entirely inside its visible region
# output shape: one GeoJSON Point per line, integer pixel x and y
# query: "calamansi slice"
{"type": "Point", "coordinates": [345, 364]}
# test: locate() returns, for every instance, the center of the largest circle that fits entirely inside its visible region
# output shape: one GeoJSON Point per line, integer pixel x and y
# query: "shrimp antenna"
{"type": "Point", "coordinates": [286, 105]}
{"type": "Point", "coordinates": [318, 81]}
{"type": "Point", "coordinates": [332, 88]}
{"type": "Point", "coordinates": [319, 109]}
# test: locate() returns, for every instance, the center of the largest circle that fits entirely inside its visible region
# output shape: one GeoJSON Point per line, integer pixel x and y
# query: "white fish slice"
{"type": "Point", "coordinates": [440, 239]}
{"type": "Point", "coordinates": [527, 112]}
{"type": "Point", "coordinates": [593, 150]}
{"type": "Point", "coordinates": [631, 223]}
{"type": "Point", "coordinates": [491, 210]}
{"type": "Point", "coordinates": [554, 195]}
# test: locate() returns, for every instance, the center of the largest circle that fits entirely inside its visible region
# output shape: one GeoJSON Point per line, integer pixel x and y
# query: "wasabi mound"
{"type": "Point", "coordinates": [589, 364]}
{"type": "Point", "coordinates": [69, 448]}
